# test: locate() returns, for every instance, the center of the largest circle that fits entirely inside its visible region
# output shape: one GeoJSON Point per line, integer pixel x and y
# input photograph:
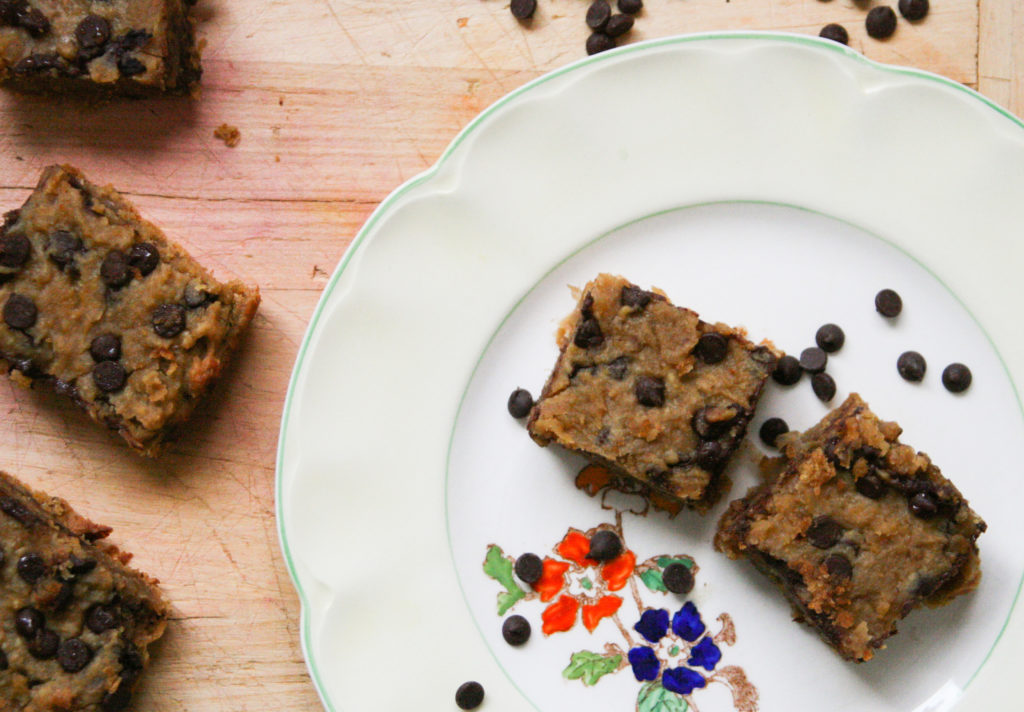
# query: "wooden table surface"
{"type": "Point", "coordinates": [338, 102]}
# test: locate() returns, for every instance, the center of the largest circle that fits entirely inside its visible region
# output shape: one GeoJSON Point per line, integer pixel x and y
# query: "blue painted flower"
{"type": "Point", "coordinates": [682, 680]}
{"type": "Point", "coordinates": [686, 624]}
{"type": "Point", "coordinates": [644, 662]}
{"type": "Point", "coordinates": [653, 624]}
{"type": "Point", "coordinates": [705, 654]}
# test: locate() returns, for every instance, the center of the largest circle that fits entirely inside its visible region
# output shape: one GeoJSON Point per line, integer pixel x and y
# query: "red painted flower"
{"type": "Point", "coordinates": [560, 616]}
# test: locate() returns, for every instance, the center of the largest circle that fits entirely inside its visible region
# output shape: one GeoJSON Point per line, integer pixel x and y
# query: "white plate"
{"type": "Point", "coordinates": [767, 180]}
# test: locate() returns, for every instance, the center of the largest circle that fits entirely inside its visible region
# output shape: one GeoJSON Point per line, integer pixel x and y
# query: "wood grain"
{"type": "Point", "coordinates": [338, 102]}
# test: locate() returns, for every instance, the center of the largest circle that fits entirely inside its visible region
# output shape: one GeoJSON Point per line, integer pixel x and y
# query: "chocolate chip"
{"type": "Point", "coordinates": [115, 271]}
{"type": "Point", "coordinates": [711, 422]}
{"type": "Point", "coordinates": [598, 14]}
{"type": "Point", "coordinates": [871, 486]}
{"type": "Point", "coordinates": [824, 386]}
{"type": "Point", "coordinates": [650, 391]}
{"type": "Point", "coordinates": [813, 359]}
{"type": "Point", "coordinates": [824, 532]}
{"type": "Point", "coordinates": [911, 366]}
{"type": "Point", "coordinates": [605, 545]}
{"type": "Point", "coordinates": [31, 567]}
{"type": "Point", "coordinates": [28, 621]}
{"type": "Point", "coordinates": [80, 567]}
{"type": "Point", "coordinates": [523, 9]}
{"type": "Point", "coordinates": [578, 368]}
{"type": "Point", "coordinates": [168, 320]}
{"type": "Point", "coordinates": [14, 250]}
{"type": "Point", "coordinates": [838, 566]}
{"type": "Point", "coordinates": [599, 42]}
{"type": "Point", "coordinates": [830, 338]}
{"type": "Point", "coordinates": [771, 429]}
{"type": "Point", "coordinates": [100, 618]}
{"type": "Point", "coordinates": [16, 510]}
{"type": "Point", "coordinates": [92, 31]}
{"type": "Point", "coordinates": [835, 32]}
{"type": "Point", "coordinates": [130, 66]}
{"type": "Point", "coordinates": [143, 256]}
{"type": "Point", "coordinates": [710, 455]}
{"type": "Point", "coordinates": [34, 22]}
{"type": "Point", "coordinates": [956, 377]}
{"type": "Point", "coordinates": [923, 505]}
{"type": "Point", "coordinates": [44, 645]}
{"type": "Point", "coordinates": [469, 696]}
{"type": "Point", "coordinates": [62, 248]}
{"type": "Point", "coordinates": [105, 347]}
{"type": "Point", "coordinates": [520, 403]}
{"type": "Point", "coordinates": [588, 333]}
{"type": "Point", "coordinates": [9, 11]}
{"type": "Point", "coordinates": [618, 25]}
{"type": "Point", "coordinates": [20, 312]}
{"type": "Point", "coordinates": [677, 578]}
{"type": "Point", "coordinates": [3, 660]}
{"type": "Point", "coordinates": [887, 302]}
{"type": "Point", "coordinates": [880, 22]}
{"type": "Point", "coordinates": [515, 630]}
{"type": "Point", "coordinates": [73, 655]}
{"type": "Point", "coordinates": [617, 367]}
{"type": "Point", "coordinates": [787, 371]}
{"type": "Point", "coordinates": [631, 7]}
{"type": "Point", "coordinates": [529, 568]}
{"type": "Point", "coordinates": [913, 10]}
{"type": "Point", "coordinates": [109, 376]}
{"type": "Point", "coordinates": [35, 63]}
{"type": "Point", "coordinates": [712, 348]}
{"type": "Point", "coordinates": [634, 297]}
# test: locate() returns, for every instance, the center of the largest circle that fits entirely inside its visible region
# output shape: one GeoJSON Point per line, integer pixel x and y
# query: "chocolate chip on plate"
{"type": "Point", "coordinates": [830, 338]}
{"type": "Point", "coordinates": [599, 42]}
{"type": "Point", "coordinates": [618, 25]}
{"type": "Point", "coordinates": [835, 32]}
{"type": "Point", "coordinates": [631, 7]}
{"type": "Point", "coordinates": [813, 359]}
{"type": "Point", "coordinates": [712, 348]}
{"type": "Point", "coordinates": [605, 545]}
{"type": "Point", "coordinates": [115, 270]}
{"type": "Point", "coordinates": [520, 403]}
{"type": "Point", "coordinates": [598, 14]}
{"type": "Point", "coordinates": [92, 31]}
{"type": "Point", "coordinates": [677, 578]}
{"type": "Point", "coordinates": [588, 333]}
{"type": "Point", "coordinates": [911, 366]}
{"type": "Point", "coordinates": [44, 645]}
{"type": "Point", "coordinates": [956, 377]}
{"type": "Point", "coordinates": [31, 567]}
{"type": "Point", "coordinates": [515, 630]}
{"type": "Point", "coordinates": [824, 532]}
{"type": "Point", "coordinates": [523, 9]}
{"type": "Point", "coordinates": [143, 256]}
{"type": "Point", "coordinates": [469, 696]}
{"type": "Point", "coordinates": [923, 505]}
{"type": "Point", "coordinates": [650, 391]}
{"type": "Point", "coordinates": [168, 320]}
{"type": "Point", "coordinates": [787, 371]}
{"type": "Point", "coordinates": [109, 376]}
{"type": "Point", "coordinates": [824, 386]}
{"type": "Point", "coordinates": [771, 429]}
{"type": "Point", "coordinates": [870, 485]}
{"type": "Point", "coordinates": [14, 250]}
{"type": "Point", "coordinates": [20, 312]}
{"type": "Point", "coordinates": [28, 621]}
{"type": "Point", "coordinates": [529, 568]}
{"type": "Point", "coordinates": [73, 655]}
{"type": "Point", "coordinates": [634, 297]}
{"type": "Point", "coordinates": [105, 347]}
{"type": "Point", "coordinates": [888, 303]}
{"type": "Point", "coordinates": [710, 454]}
{"type": "Point", "coordinates": [880, 22]}
{"type": "Point", "coordinates": [913, 10]}
{"type": "Point", "coordinates": [838, 566]}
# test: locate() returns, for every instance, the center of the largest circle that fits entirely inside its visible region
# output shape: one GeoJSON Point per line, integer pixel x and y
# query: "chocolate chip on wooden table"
{"type": "Point", "coordinates": [813, 359]}
{"type": "Point", "coordinates": [911, 366]}
{"type": "Point", "coordinates": [100, 618]}
{"type": "Point", "coordinates": [523, 9]}
{"type": "Point", "coordinates": [824, 387]}
{"type": "Point", "coordinates": [677, 578]}
{"type": "Point", "coordinates": [771, 429]}
{"type": "Point", "coordinates": [835, 32]}
{"type": "Point", "coordinates": [588, 333]}
{"type": "Point", "coordinates": [529, 568]}
{"type": "Point", "coordinates": [28, 621]}
{"type": "Point", "coordinates": [109, 376]}
{"type": "Point", "coordinates": [31, 567]}
{"type": "Point", "coordinates": [115, 270]}
{"type": "Point", "coordinates": [956, 377]}
{"type": "Point", "coordinates": [79, 566]}
{"type": "Point", "coordinates": [631, 7]}
{"type": "Point", "coordinates": [105, 347]}
{"type": "Point", "coordinates": [633, 296]}
{"type": "Point", "coordinates": [824, 532]}
{"type": "Point", "coordinates": [520, 403]}
{"type": "Point", "coordinates": [888, 303]}
{"type": "Point", "coordinates": [605, 545]}
{"type": "Point", "coordinates": [143, 256]}
{"type": "Point", "coordinates": [33, 21]}
{"type": "Point", "coordinates": [618, 25]}
{"type": "Point", "coordinates": [787, 371]}
{"type": "Point", "coordinates": [830, 338]}
{"type": "Point", "coordinates": [838, 566]}
{"type": "Point", "coordinates": [599, 42]}
{"type": "Point", "coordinates": [20, 312]}
{"type": "Point", "coordinates": [16, 510]}
{"type": "Point", "coordinates": [598, 14]}
{"type": "Point", "coordinates": [880, 22]}
{"type": "Point", "coordinates": [73, 655]}
{"type": "Point", "coordinates": [92, 31]}
{"type": "Point", "coordinates": [44, 645]}
{"type": "Point", "coordinates": [515, 630]}
{"type": "Point", "coordinates": [470, 695]}
{"type": "Point", "coordinates": [15, 250]}
{"type": "Point", "coordinates": [913, 10]}
{"type": "Point", "coordinates": [650, 391]}
{"type": "Point", "coordinates": [712, 348]}
{"type": "Point", "coordinates": [62, 248]}
{"type": "Point", "coordinates": [169, 320]}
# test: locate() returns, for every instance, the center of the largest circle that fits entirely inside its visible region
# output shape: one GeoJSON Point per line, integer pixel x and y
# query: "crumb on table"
{"type": "Point", "coordinates": [229, 134]}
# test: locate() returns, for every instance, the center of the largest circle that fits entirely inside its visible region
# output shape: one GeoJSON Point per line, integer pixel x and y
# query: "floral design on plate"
{"type": "Point", "coordinates": [668, 648]}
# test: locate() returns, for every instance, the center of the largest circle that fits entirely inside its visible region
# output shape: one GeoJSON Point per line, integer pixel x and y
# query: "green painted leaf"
{"type": "Point", "coordinates": [590, 667]}
{"type": "Point", "coordinates": [655, 698]}
{"type": "Point", "coordinates": [586, 583]}
{"type": "Point", "coordinates": [652, 580]}
{"type": "Point", "coordinates": [664, 561]}
{"type": "Point", "coordinates": [500, 569]}
{"type": "Point", "coordinates": [674, 650]}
